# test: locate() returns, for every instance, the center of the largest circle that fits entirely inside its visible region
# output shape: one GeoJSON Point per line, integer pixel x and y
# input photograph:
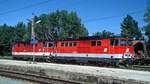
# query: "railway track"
{"type": "Point", "coordinates": [130, 67]}
{"type": "Point", "coordinates": [139, 67]}
{"type": "Point", "coordinates": [34, 78]}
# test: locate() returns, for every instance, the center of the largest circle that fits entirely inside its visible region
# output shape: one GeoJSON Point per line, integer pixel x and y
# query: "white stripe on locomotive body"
{"type": "Point", "coordinates": [127, 55]}
{"type": "Point", "coordinates": [31, 53]}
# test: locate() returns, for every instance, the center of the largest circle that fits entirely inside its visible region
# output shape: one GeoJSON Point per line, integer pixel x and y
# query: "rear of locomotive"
{"type": "Point", "coordinates": [25, 51]}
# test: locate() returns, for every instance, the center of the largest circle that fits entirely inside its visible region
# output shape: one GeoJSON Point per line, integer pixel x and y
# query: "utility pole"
{"type": "Point", "coordinates": [33, 39]}
{"type": "Point", "coordinates": [32, 28]}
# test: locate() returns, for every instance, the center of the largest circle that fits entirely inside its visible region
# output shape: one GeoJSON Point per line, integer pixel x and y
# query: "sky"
{"type": "Point", "coordinates": [96, 15]}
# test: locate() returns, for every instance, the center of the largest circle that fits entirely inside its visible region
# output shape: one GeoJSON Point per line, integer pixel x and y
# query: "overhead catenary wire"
{"type": "Point", "coordinates": [25, 7]}
{"type": "Point", "coordinates": [85, 21]}
{"type": "Point", "coordinates": [114, 16]}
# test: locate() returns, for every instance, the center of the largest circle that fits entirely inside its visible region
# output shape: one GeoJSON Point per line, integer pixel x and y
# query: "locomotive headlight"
{"type": "Point", "coordinates": [105, 49]}
{"type": "Point", "coordinates": [127, 50]}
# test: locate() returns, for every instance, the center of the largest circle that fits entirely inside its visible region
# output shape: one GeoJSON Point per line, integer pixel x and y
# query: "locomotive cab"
{"type": "Point", "coordinates": [123, 47]}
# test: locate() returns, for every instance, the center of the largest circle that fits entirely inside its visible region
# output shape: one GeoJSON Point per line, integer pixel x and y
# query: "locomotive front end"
{"type": "Point", "coordinates": [122, 47]}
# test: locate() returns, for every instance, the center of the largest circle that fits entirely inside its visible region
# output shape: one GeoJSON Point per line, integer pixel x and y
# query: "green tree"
{"type": "Point", "coordinates": [97, 34]}
{"type": "Point", "coordinates": [53, 26]}
{"type": "Point", "coordinates": [104, 34]}
{"type": "Point", "coordinates": [147, 20]}
{"type": "Point", "coordinates": [21, 32]}
{"type": "Point", "coordinates": [7, 34]}
{"type": "Point", "coordinates": [59, 25]}
{"type": "Point", "coordinates": [129, 28]}
{"type": "Point", "coordinates": [11, 34]}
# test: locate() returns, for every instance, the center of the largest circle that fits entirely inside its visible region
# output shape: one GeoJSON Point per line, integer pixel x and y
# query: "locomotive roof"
{"type": "Point", "coordinates": [81, 38]}
{"type": "Point", "coordinates": [95, 38]}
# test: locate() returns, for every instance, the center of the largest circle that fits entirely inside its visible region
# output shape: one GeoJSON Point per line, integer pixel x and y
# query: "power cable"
{"type": "Point", "coordinates": [89, 20]}
{"type": "Point", "coordinates": [25, 7]}
{"type": "Point", "coordinates": [110, 17]}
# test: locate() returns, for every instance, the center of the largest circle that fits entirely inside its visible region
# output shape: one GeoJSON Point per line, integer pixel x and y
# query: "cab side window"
{"type": "Point", "coordinates": [74, 43]}
{"type": "Point", "coordinates": [93, 43]}
{"type": "Point", "coordinates": [114, 42]}
{"type": "Point", "coordinates": [66, 44]}
{"type": "Point", "coordinates": [62, 44]}
{"type": "Point", "coordinates": [111, 42]}
{"type": "Point", "coordinates": [70, 44]}
{"type": "Point", "coordinates": [99, 43]}
{"type": "Point", "coordinates": [48, 44]}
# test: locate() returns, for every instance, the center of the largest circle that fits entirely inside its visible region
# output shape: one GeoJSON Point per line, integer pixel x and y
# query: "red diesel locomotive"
{"type": "Point", "coordinates": [82, 50]}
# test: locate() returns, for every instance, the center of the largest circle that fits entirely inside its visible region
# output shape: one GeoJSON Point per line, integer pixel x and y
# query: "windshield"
{"type": "Point", "coordinates": [121, 42]}
{"type": "Point", "coordinates": [125, 42]}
